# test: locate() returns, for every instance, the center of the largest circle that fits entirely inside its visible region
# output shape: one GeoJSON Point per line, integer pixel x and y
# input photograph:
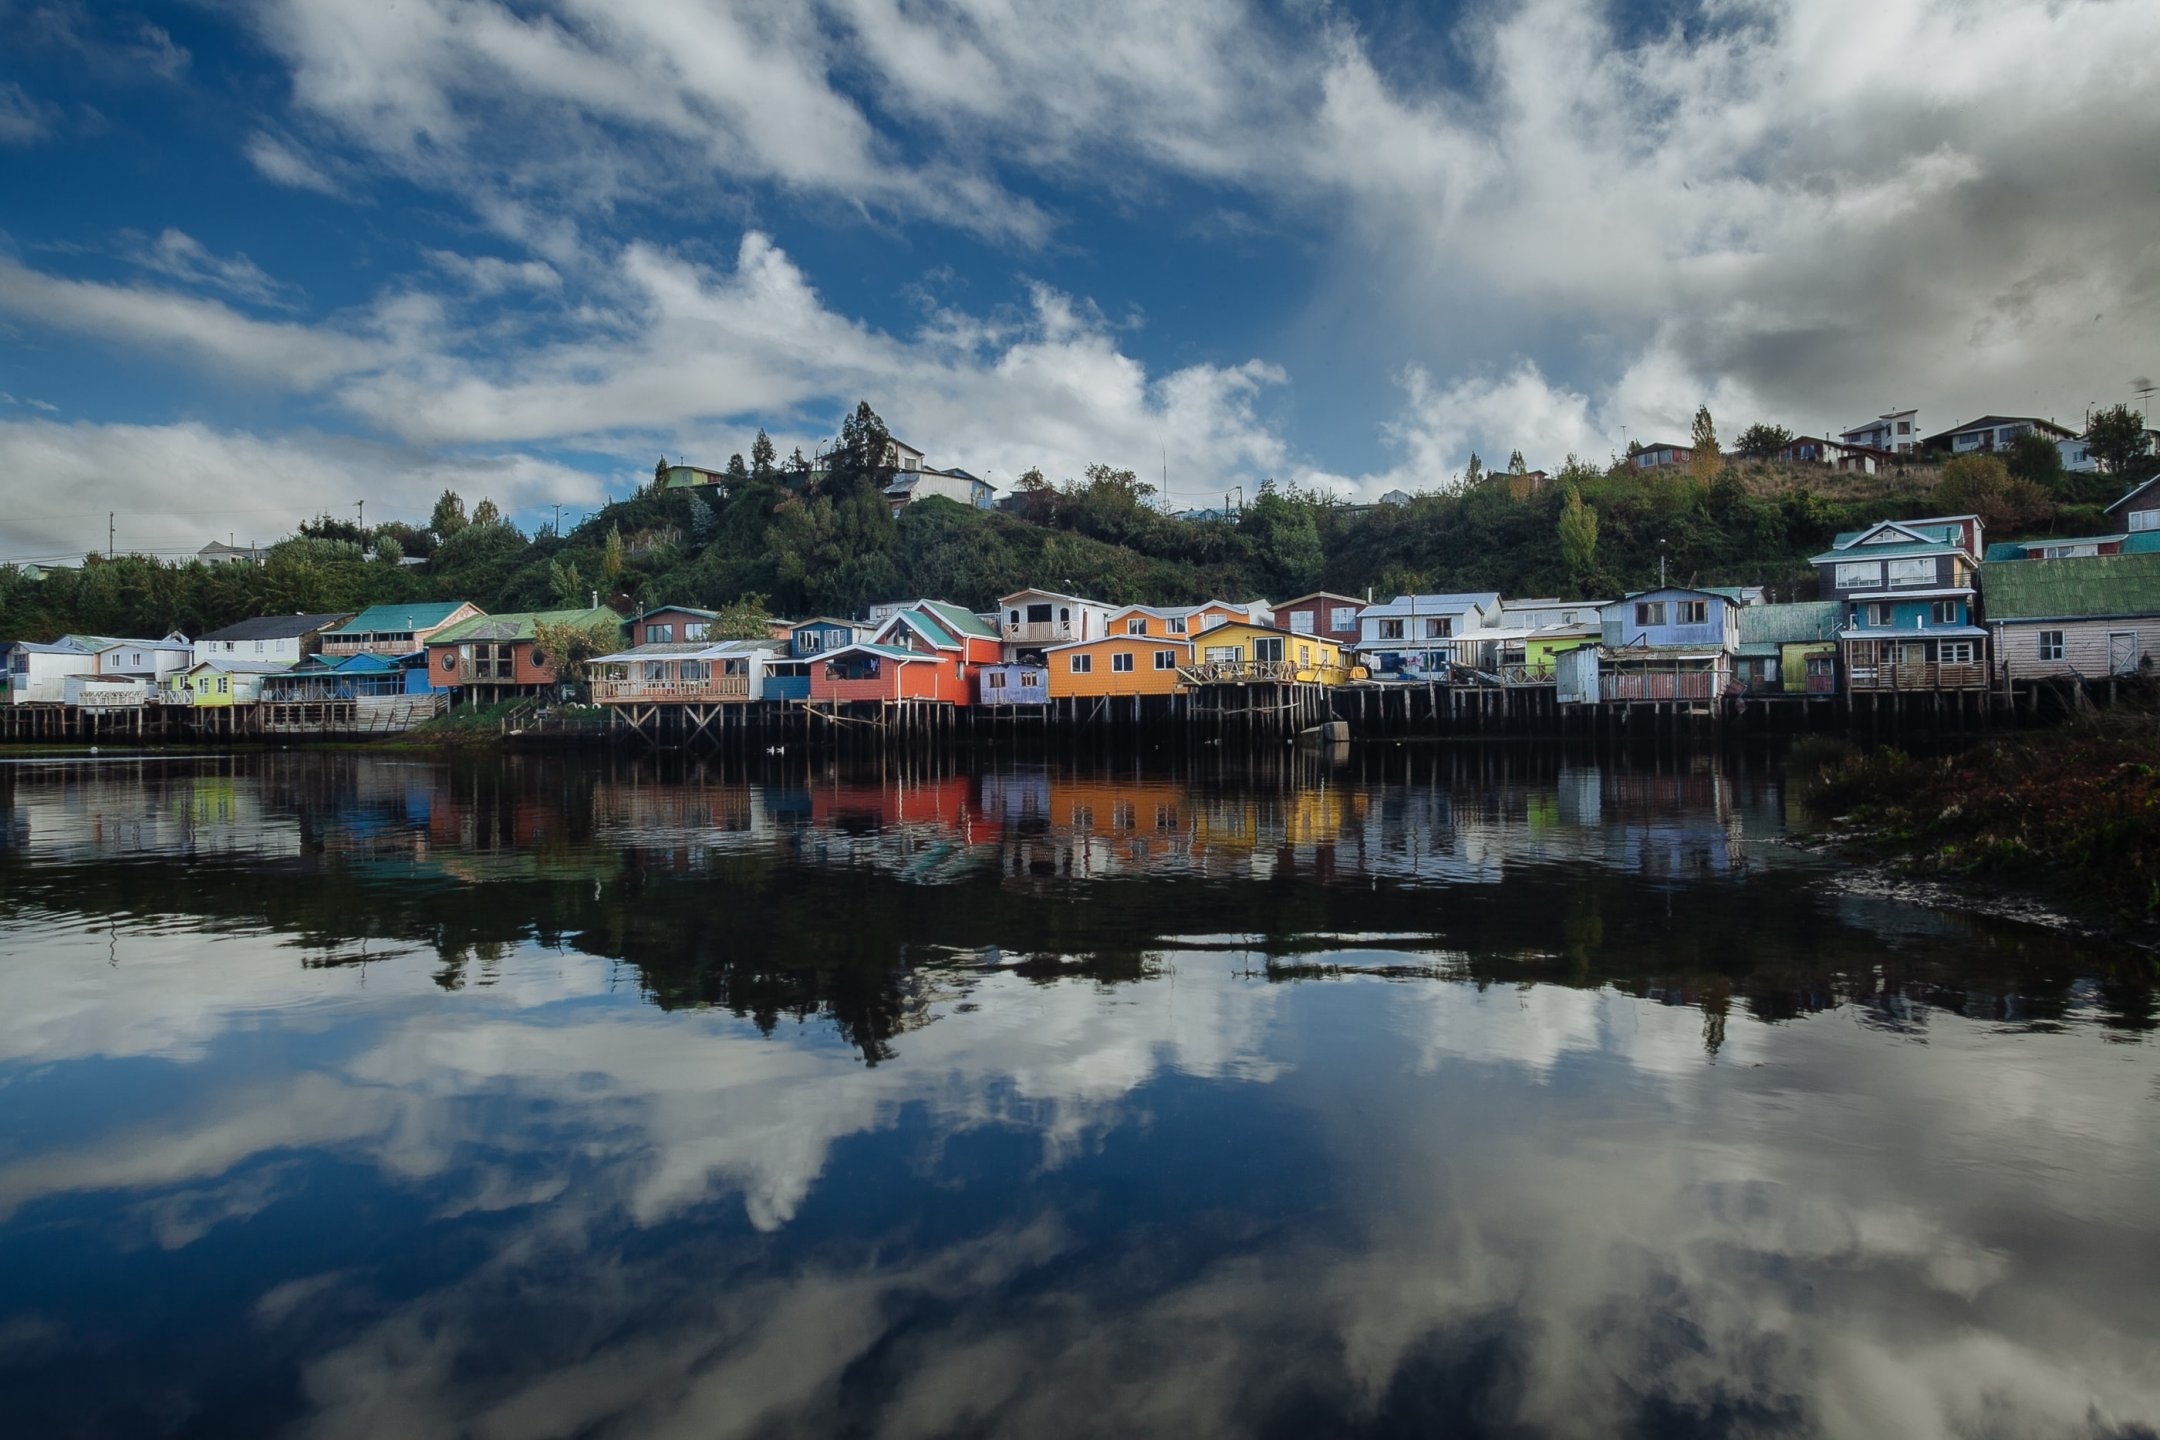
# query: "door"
{"type": "Point", "coordinates": [2122, 652]}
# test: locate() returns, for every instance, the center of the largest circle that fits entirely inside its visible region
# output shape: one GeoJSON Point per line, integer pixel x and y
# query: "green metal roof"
{"type": "Point", "coordinates": [959, 619]}
{"type": "Point", "coordinates": [397, 619]}
{"type": "Point", "coordinates": [2087, 587]}
{"type": "Point", "coordinates": [1860, 554]}
{"type": "Point", "coordinates": [520, 625]}
{"type": "Point", "coordinates": [1796, 624]}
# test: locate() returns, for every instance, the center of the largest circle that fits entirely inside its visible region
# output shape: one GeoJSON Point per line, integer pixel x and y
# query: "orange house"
{"type": "Point", "coordinates": [929, 651]}
{"type": "Point", "coordinates": [494, 657]}
{"type": "Point", "coordinates": [1125, 663]}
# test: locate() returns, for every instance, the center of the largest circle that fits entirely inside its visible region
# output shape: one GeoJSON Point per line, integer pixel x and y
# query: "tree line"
{"type": "Point", "coordinates": [797, 537]}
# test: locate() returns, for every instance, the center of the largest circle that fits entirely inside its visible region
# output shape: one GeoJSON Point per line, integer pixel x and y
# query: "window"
{"type": "Point", "coordinates": [1038, 614]}
{"type": "Point", "coordinates": [228, 647]}
{"type": "Point", "coordinates": [1064, 614]}
{"type": "Point", "coordinates": [1342, 619]}
{"type": "Point", "coordinates": [224, 686]}
{"type": "Point", "coordinates": [1121, 662]}
{"type": "Point", "coordinates": [695, 630]}
{"type": "Point", "coordinates": [1175, 625]}
{"type": "Point", "coordinates": [1304, 654]}
{"type": "Point", "coordinates": [1136, 626]}
{"type": "Point", "coordinates": [1301, 621]}
{"type": "Point", "coordinates": [1879, 616]}
{"type": "Point", "coordinates": [994, 679]}
{"type": "Point", "coordinates": [1856, 575]}
{"type": "Point", "coordinates": [1649, 612]}
{"type": "Point", "coordinates": [1391, 629]}
{"type": "Point", "coordinates": [1166, 659]}
{"type": "Point", "coordinates": [1083, 664]}
{"type": "Point", "coordinates": [258, 647]}
{"type": "Point", "coordinates": [1268, 649]}
{"type": "Point", "coordinates": [2145, 519]}
{"type": "Point", "coordinates": [1439, 627]}
{"type": "Point", "coordinates": [1222, 655]}
{"type": "Point", "coordinates": [655, 634]}
{"type": "Point", "coordinates": [1012, 617]}
{"type": "Point", "coordinates": [2051, 644]}
{"type": "Point", "coordinates": [1955, 652]}
{"type": "Point", "coordinates": [1691, 612]}
{"type": "Point", "coordinates": [1944, 612]}
{"type": "Point", "coordinates": [1912, 572]}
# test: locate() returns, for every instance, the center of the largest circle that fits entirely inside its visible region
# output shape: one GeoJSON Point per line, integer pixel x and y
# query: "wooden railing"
{"type": "Point", "coordinates": [717, 687]}
{"type": "Point", "coordinates": [1029, 632]}
{"type": "Point", "coordinates": [1918, 675]}
{"type": "Point", "coordinates": [1658, 685]}
{"type": "Point", "coordinates": [473, 672]}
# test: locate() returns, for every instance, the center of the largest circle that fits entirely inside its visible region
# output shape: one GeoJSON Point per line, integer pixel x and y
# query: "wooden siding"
{"type": "Point", "coordinates": [2085, 647]}
{"type": "Point", "coordinates": [1103, 678]}
{"type": "Point", "coordinates": [942, 679]}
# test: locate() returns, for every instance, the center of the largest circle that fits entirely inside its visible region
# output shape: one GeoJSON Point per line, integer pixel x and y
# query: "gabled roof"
{"type": "Point", "coordinates": [2133, 493]}
{"type": "Point", "coordinates": [889, 652]}
{"type": "Point", "coordinates": [2015, 549]}
{"type": "Point", "coordinates": [679, 610]}
{"type": "Point", "coordinates": [924, 625]}
{"type": "Point", "coordinates": [1315, 595]}
{"type": "Point", "coordinates": [1432, 604]}
{"type": "Point", "coordinates": [794, 625]}
{"type": "Point", "coordinates": [238, 667]}
{"type": "Point", "coordinates": [1795, 624]}
{"type": "Point", "coordinates": [1994, 422]}
{"type": "Point", "coordinates": [692, 650]}
{"type": "Point", "coordinates": [519, 625]}
{"type": "Point", "coordinates": [2086, 587]}
{"type": "Point", "coordinates": [1736, 595]}
{"type": "Point", "coordinates": [959, 619]}
{"type": "Point", "coordinates": [400, 619]}
{"type": "Point", "coordinates": [1157, 640]}
{"type": "Point", "coordinates": [276, 627]}
{"type": "Point", "coordinates": [1052, 595]}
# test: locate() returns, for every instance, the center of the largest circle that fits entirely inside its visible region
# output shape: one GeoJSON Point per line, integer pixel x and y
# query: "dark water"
{"type": "Point", "coordinates": [1449, 1093]}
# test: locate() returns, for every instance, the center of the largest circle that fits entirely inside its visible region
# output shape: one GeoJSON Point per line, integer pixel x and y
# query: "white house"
{"type": "Point", "coordinates": [2077, 455]}
{"type": "Point", "coordinates": [38, 674]}
{"type": "Point", "coordinates": [1990, 433]}
{"type": "Point", "coordinates": [217, 552]}
{"type": "Point", "coordinates": [282, 640]}
{"type": "Point", "coordinates": [1547, 614]}
{"type": "Point", "coordinates": [150, 660]}
{"type": "Point", "coordinates": [1415, 634]}
{"type": "Point", "coordinates": [685, 672]}
{"type": "Point", "coordinates": [1031, 619]}
{"type": "Point", "coordinates": [1896, 432]}
{"type": "Point", "coordinates": [923, 482]}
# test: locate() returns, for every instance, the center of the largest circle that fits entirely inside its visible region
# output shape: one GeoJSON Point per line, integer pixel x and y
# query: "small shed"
{"type": "Point", "coordinates": [1788, 649]}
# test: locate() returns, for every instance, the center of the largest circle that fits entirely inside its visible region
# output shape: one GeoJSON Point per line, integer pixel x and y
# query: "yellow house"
{"type": "Point", "coordinates": [1242, 650]}
{"type": "Point", "coordinates": [217, 683]}
{"type": "Point", "coordinates": [1540, 650]}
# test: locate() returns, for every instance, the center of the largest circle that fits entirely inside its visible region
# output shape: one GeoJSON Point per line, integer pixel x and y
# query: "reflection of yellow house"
{"type": "Point", "coordinates": [1242, 650]}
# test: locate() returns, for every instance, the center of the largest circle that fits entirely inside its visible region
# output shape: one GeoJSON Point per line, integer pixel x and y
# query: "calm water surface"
{"type": "Point", "coordinates": [1464, 1092]}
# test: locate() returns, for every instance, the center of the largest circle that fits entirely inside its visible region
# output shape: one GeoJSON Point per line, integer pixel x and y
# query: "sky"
{"type": "Point", "coordinates": [263, 259]}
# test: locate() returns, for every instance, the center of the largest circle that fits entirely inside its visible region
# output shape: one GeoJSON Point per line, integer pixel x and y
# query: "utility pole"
{"type": "Point", "coordinates": [558, 520]}
{"type": "Point", "coordinates": [1661, 564]}
{"type": "Point", "coordinates": [109, 517]}
{"type": "Point", "coordinates": [360, 511]}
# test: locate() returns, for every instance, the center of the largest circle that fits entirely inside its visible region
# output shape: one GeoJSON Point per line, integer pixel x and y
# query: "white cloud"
{"type": "Point", "coordinates": [182, 257]}
{"type": "Point", "coordinates": [176, 487]}
{"type": "Point", "coordinates": [24, 119]}
{"type": "Point", "coordinates": [281, 162]}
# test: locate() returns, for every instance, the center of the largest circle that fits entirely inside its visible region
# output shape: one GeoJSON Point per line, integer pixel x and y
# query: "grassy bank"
{"type": "Point", "coordinates": [2069, 815]}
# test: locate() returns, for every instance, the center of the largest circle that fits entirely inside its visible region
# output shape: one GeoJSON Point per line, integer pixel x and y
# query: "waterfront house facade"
{"type": "Point", "coordinates": [1416, 636]}
{"type": "Point", "coordinates": [280, 640]}
{"type": "Point", "coordinates": [1788, 649]}
{"type": "Point", "coordinates": [38, 673]}
{"type": "Point", "coordinates": [1003, 684]}
{"type": "Point", "coordinates": [1030, 621]}
{"type": "Point", "coordinates": [1674, 643]}
{"type": "Point", "coordinates": [219, 684]}
{"type": "Point", "coordinates": [149, 661]}
{"type": "Point", "coordinates": [1322, 613]}
{"type": "Point", "coordinates": [1243, 650]}
{"type": "Point", "coordinates": [930, 650]}
{"type": "Point", "coordinates": [670, 625]}
{"type": "Point", "coordinates": [498, 657]}
{"type": "Point", "coordinates": [1911, 619]}
{"type": "Point", "coordinates": [322, 678]}
{"type": "Point", "coordinates": [2094, 617]}
{"type": "Point", "coordinates": [684, 672]}
{"type": "Point", "coordinates": [396, 629]}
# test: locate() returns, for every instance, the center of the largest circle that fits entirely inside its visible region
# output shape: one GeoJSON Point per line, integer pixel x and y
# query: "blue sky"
{"type": "Point", "coordinates": [262, 258]}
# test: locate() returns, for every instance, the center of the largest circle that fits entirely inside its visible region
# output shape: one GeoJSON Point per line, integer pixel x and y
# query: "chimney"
{"type": "Point", "coordinates": [595, 599]}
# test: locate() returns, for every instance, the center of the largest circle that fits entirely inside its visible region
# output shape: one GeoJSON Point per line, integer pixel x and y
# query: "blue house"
{"type": "Point", "coordinates": [1908, 588]}
{"type": "Point", "coordinates": [1672, 643]}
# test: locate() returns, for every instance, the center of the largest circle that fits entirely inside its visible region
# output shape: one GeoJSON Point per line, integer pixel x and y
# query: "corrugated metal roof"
{"type": "Point", "coordinates": [2087, 587]}
{"type": "Point", "coordinates": [398, 619]}
{"type": "Point", "coordinates": [519, 625]}
{"type": "Point", "coordinates": [1793, 624]}
{"type": "Point", "coordinates": [960, 620]}
{"type": "Point", "coordinates": [275, 627]}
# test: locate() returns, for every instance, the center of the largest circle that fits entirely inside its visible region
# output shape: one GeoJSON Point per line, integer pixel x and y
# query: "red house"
{"type": "Point", "coordinates": [1322, 613]}
{"type": "Point", "coordinates": [929, 651]}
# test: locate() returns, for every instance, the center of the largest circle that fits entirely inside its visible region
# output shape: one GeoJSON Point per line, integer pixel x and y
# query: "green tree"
{"type": "Point", "coordinates": [746, 619]}
{"type": "Point", "coordinates": [1578, 536]}
{"type": "Point", "coordinates": [448, 516]}
{"type": "Point", "coordinates": [1474, 471]}
{"type": "Point", "coordinates": [2117, 439]}
{"type": "Point", "coordinates": [567, 584]}
{"type": "Point", "coordinates": [2034, 458]}
{"type": "Point", "coordinates": [611, 557]}
{"type": "Point", "coordinates": [763, 458]}
{"type": "Point", "coordinates": [659, 475]}
{"type": "Point", "coordinates": [1762, 440]}
{"type": "Point", "coordinates": [1704, 460]}
{"type": "Point", "coordinates": [485, 513]}
{"type": "Point", "coordinates": [569, 647]}
{"type": "Point", "coordinates": [737, 475]}
{"type": "Point", "coordinates": [1284, 534]}
{"type": "Point", "coordinates": [1982, 485]}
{"type": "Point", "coordinates": [387, 550]}
{"type": "Point", "coordinates": [1516, 465]}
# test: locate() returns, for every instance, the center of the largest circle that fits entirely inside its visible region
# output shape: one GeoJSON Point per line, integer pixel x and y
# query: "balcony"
{"type": "Point", "coordinates": [1043, 632]}
{"type": "Point", "coordinates": [1917, 676]}
{"type": "Point", "coordinates": [1626, 685]}
{"type": "Point", "coordinates": [476, 672]}
{"type": "Point", "coordinates": [671, 692]}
